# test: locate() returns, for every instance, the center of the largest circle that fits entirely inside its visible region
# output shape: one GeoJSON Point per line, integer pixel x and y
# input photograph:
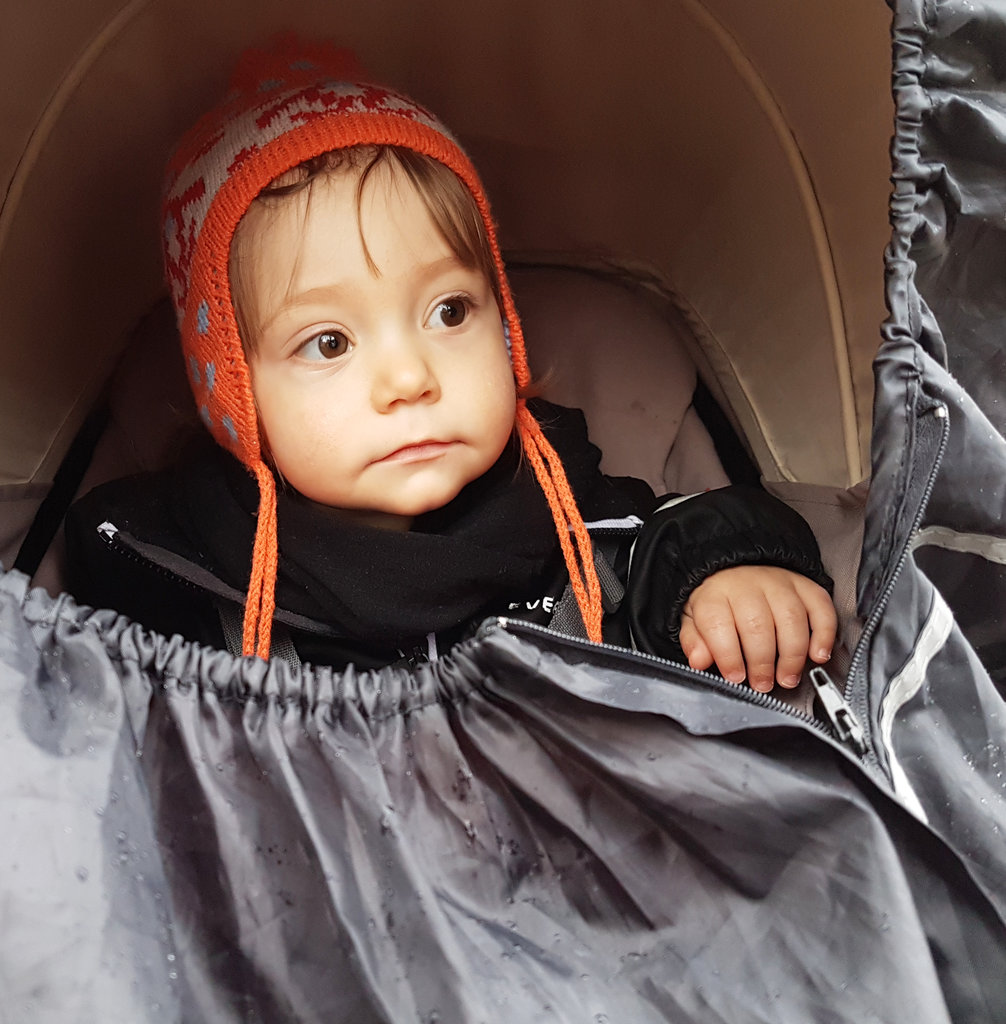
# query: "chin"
{"type": "Point", "coordinates": [418, 508]}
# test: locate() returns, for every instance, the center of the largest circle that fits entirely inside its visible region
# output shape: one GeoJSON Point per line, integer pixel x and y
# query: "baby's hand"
{"type": "Point", "coordinates": [770, 618]}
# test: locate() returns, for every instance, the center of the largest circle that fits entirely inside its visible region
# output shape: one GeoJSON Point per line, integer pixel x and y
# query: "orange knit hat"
{"type": "Point", "coordinates": [287, 105]}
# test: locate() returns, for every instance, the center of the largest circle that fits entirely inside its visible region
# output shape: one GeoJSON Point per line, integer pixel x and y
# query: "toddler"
{"type": "Point", "coordinates": [382, 478]}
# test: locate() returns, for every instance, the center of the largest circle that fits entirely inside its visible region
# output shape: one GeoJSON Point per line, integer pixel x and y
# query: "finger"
{"type": "Point", "coordinates": [792, 635]}
{"type": "Point", "coordinates": [756, 630]}
{"type": "Point", "coordinates": [823, 619]}
{"type": "Point", "coordinates": [693, 646]}
{"type": "Point", "coordinates": [714, 623]}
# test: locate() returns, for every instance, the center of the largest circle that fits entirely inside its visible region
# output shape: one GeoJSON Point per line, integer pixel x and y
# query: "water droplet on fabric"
{"type": "Point", "coordinates": [82, 874]}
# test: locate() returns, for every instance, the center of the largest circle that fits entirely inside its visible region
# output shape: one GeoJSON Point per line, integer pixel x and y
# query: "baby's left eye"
{"type": "Point", "coordinates": [449, 313]}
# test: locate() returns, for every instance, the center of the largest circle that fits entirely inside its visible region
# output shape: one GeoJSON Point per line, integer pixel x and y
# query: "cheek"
{"type": "Point", "coordinates": [499, 404]}
{"type": "Point", "coordinates": [292, 427]}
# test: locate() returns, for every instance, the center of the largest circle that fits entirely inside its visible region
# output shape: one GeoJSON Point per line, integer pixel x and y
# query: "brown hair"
{"type": "Point", "coordinates": [445, 196]}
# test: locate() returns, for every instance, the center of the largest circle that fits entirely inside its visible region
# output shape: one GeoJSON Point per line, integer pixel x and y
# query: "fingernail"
{"type": "Point", "coordinates": [789, 681]}
{"type": "Point", "coordinates": [824, 654]}
{"type": "Point", "coordinates": [762, 686]}
{"type": "Point", "coordinates": [734, 677]}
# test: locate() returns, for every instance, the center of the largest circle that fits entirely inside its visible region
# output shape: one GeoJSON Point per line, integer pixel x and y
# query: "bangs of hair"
{"type": "Point", "coordinates": [444, 195]}
{"type": "Point", "coordinates": [449, 204]}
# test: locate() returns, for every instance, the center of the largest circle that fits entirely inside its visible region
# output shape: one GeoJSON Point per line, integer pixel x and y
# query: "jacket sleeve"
{"type": "Point", "coordinates": [679, 546]}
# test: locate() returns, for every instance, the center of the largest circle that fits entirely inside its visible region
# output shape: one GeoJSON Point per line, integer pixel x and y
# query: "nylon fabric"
{"type": "Point", "coordinates": [939, 454]}
{"type": "Point", "coordinates": [905, 685]}
{"type": "Point", "coordinates": [624, 844]}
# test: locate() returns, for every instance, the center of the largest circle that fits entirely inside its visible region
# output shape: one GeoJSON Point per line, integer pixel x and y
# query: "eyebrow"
{"type": "Point", "coordinates": [427, 272]}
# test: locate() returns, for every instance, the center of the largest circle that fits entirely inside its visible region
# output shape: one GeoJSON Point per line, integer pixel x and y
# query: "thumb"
{"type": "Point", "coordinates": [694, 647]}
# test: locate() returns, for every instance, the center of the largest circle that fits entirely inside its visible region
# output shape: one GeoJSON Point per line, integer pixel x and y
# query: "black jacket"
{"type": "Point", "coordinates": [172, 550]}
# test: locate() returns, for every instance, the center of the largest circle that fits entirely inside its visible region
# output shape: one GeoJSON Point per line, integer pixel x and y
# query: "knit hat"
{"type": "Point", "coordinates": [287, 105]}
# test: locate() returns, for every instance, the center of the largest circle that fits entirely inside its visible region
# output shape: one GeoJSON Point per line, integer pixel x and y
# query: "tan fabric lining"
{"type": "Point", "coordinates": [733, 149]}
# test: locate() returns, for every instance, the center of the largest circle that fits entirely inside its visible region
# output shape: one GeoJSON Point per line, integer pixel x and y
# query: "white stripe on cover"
{"type": "Point", "coordinates": [671, 502]}
{"type": "Point", "coordinates": [905, 685]}
{"type": "Point", "coordinates": [991, 548]}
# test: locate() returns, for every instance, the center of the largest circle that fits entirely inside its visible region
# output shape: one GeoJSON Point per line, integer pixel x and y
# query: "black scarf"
{"type": "Point", "coordinates": [493, 544]}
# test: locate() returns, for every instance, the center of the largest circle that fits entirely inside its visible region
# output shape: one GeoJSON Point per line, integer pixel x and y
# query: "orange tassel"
{"type": "Point", "coordinates": [552, 478]}
{"type": "Point", "coordinates": [260, 604]}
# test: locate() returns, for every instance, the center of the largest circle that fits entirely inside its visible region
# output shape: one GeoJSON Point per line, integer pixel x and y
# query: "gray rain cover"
{"type": "Point", "coordinates": [536, 829]}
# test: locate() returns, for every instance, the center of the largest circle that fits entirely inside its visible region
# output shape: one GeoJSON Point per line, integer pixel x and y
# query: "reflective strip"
{"type": "Point", "coordinates": [671, 502]}
{"type": "Point", "coordinates": [991, 548]}
{"type": "Point", "coordinates": [905, 685]}
{"type": "Point", "coordinates": [628, 523]}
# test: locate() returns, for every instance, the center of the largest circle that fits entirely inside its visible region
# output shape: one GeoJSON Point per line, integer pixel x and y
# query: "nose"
{"type": "Point", "coordinates": [402, 374]}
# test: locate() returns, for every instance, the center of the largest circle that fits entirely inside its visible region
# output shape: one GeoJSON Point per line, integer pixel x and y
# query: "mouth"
{"type": "Point", "coordinates": [422, 451]}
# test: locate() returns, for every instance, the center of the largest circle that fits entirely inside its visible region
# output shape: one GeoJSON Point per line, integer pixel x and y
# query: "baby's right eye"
{"type": "Point", "coordinates": [328, 344]}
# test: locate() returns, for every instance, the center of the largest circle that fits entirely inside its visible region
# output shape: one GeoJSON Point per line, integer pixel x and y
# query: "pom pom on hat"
{"type": "Point", "coordinates": [290, 62]}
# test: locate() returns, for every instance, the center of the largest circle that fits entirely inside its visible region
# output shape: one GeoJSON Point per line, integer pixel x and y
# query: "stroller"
{"type": "Point", "coordinates": [696, 195]}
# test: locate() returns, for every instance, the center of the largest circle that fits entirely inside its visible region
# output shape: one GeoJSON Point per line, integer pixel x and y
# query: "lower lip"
{"type": "Point", "coordinates": [419, 452]}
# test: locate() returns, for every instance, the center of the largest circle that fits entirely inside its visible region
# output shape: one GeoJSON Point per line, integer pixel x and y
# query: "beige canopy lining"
{"type": "Point", "coordinates": [815, 221]}
{"type": "Point", "coordinates": [738, 151]}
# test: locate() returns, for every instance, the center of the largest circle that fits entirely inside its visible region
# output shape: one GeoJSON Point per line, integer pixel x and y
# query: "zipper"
{"type": "Point", "coordinates": [741, 692]}
{"type": "Point", "coordinates": [846, 726]}
{"type": "Point", "coordinates": [860, 701]}
{"type": "Point", "coordinates": [110, 535]}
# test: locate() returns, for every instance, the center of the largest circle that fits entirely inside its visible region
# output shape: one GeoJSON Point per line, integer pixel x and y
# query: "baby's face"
{"type": "Point", "coordinates": [383, 386]}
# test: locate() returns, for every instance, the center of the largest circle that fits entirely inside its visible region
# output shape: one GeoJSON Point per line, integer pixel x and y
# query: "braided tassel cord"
{"type": "Point", "coordinates": [260, 604]}
{"type": "Point", "coordinates": [552, 477]}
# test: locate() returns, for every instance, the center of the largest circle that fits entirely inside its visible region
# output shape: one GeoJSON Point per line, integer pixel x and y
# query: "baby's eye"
{"type": "Point", "coordinates": [451, 312]}
{"type": "Point", "coordinates": [326, 345]}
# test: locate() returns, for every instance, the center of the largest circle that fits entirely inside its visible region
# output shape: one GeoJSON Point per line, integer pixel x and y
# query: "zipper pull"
{"type": "Point", "coordinates": [838, 711]}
